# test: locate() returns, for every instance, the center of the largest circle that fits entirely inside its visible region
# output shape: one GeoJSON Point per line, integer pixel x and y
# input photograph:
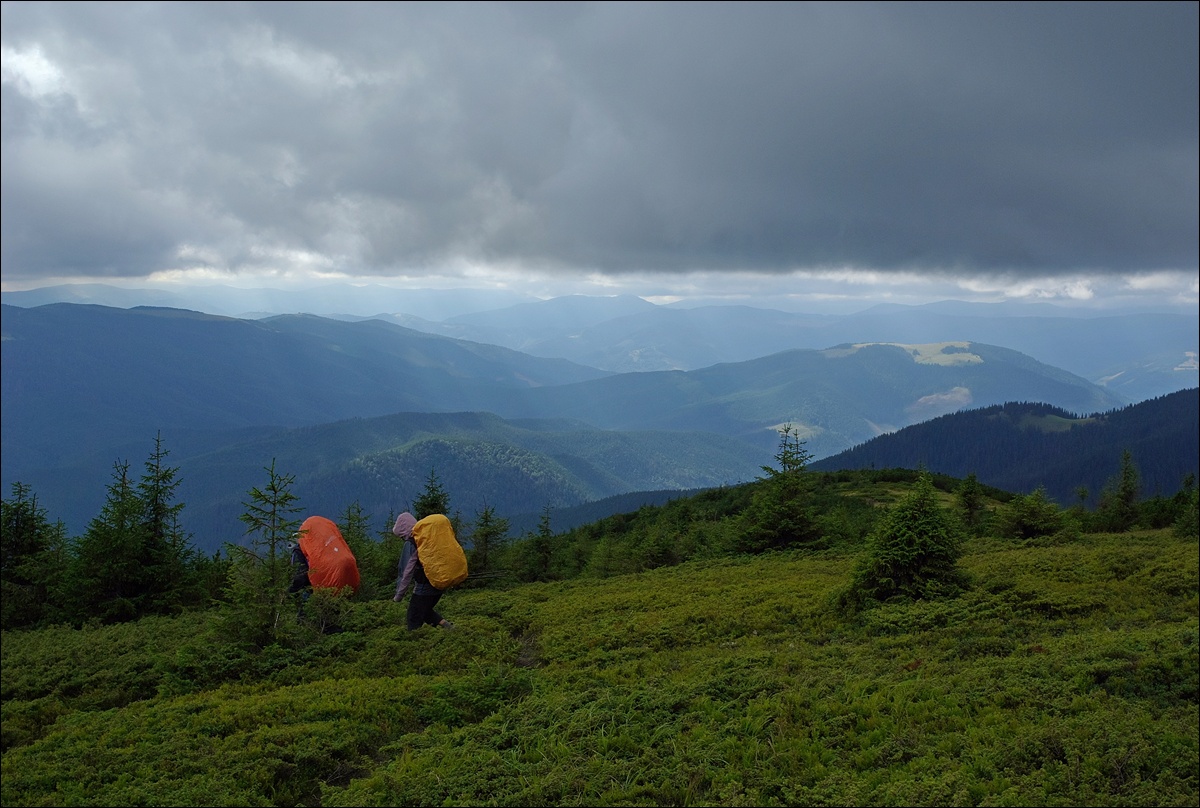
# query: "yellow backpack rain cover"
{"type": "Point", "coordinates": [440, 553]}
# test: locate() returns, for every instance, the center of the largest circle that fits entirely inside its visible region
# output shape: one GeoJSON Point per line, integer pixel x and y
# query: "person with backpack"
{"type": "Point", "coordinates": [322, 559]}
{"type": "Point", "coordinates": [432, 561]}
{"type": "Point", "coordinates": [300, 580]}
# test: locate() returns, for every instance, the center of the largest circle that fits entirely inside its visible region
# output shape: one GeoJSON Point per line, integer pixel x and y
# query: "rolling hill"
{"type": "Point", "coordinates": [515, 467]}
{"type": "Point", "coordinates": [83, 379]}
{"type": "Point", "coordinates": [85, 386]}
{"type": "Point", "coordinates": [1020, 446]}
{"type": "Point", "coordinates": [836, 397]}
{"type": "Point", "coordinates": [1135, 355]}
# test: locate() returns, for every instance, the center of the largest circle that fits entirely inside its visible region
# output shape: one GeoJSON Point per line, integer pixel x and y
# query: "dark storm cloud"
{"type": "Point", "coordinates": [380, 138]}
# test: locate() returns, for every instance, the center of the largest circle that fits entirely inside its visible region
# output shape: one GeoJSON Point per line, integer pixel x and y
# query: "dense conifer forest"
{"type": "Point", "coordinates": [1021, 446]}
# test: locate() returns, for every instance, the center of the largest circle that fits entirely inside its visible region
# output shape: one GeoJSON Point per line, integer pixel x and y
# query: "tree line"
{"type": "Point", "coordinates": [1020, 445]}
{"type": "Point", "coordinates": [135, 558]}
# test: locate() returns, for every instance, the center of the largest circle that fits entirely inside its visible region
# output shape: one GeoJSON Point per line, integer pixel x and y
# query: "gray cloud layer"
{"type": "Point", "coordinates": [384, 138]}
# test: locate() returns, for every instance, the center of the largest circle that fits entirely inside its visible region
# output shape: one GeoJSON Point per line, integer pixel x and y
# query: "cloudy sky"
{"type": "Point", "coordinates": [808, 152]}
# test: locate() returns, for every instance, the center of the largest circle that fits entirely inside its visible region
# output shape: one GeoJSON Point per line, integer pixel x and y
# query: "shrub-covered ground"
{"type": "Point", "coordinates": [1065, 675]}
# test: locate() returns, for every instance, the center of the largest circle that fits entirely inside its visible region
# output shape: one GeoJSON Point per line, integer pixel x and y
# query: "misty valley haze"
{"type": "Point", "coordinates": [230, 394]}
{"type": "Point", "coordinates": [1136, 353]}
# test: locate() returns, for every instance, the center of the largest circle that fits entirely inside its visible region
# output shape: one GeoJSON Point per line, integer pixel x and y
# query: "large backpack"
{"type": "Point", "coordinates": [441, 555]}
{"type": "Point", "coordinates": [331, 565]}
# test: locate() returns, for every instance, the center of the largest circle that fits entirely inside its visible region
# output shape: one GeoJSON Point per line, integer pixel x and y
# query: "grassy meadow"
{"type": "Point", "coordinates": [1066, 675]}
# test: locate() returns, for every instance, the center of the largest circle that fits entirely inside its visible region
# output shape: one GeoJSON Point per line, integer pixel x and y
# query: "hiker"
{"type": "Point", "coordinates": [323, 559]}
{"type": "Point", "coordinates": [300, 582]}
{"type": "Point", "coordinates": [301, 585]}
{"type": "Point", "coordinates": [412, 572]}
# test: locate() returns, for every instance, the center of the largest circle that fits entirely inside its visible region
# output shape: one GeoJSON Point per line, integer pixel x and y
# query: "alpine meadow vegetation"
{"type": "Point", "coordinates": [910, 639]}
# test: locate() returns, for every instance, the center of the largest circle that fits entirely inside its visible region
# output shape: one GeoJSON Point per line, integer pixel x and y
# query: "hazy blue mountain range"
{"type": "Point", "coordinates": [1135, 355]}
{"type": "Point", "coordinates": [836, 397]}
{"type": "Point", "coordinates": [331, 299]}
{"type": "Point", "coordinates": [1019, 446]}
{"type": "Point", "coordinates": [81, 379]}
{"type": "Point", "coordinates": [86, 385]}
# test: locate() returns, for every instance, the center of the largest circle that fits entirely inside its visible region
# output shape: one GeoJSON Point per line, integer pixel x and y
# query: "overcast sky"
{"type": "Point", "coordinates": [820, 151]}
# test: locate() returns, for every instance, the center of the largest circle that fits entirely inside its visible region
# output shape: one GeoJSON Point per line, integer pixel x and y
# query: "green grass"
{"type": "Point", "coordinates": [1066, 675]}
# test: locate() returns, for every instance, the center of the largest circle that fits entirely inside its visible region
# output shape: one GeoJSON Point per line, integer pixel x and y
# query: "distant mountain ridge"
{"type": "Point", "coordinates": [78, 378]}
{"type": "Point", "coordinates": [334, 298]}
{"type": "Point", "coordinates": [1019, 446]}
{"type": "Point", "coordinates": [1135, 354]}
{"type": "Point", "coordinates": [86, 385]}
{"type": "Point", "coordinates": [835, 397]}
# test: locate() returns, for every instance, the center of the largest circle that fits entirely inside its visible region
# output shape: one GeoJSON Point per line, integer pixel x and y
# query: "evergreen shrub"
{"type": "Point", "coordinates": [912, 553]}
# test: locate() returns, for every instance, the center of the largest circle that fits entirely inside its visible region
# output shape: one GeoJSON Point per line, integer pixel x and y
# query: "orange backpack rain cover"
{"type": "Point", "coordinates": [331, 565]}
{"type": "Point", "coordinates": [441, 555]}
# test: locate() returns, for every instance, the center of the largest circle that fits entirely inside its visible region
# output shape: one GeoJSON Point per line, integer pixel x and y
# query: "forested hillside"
{"type": "Point", "coordinates": [1021, 446]}
{"type": "Point", "coordinates": [85, 387]}
{"type": "Point", "coordinates": [513, 467]}
{"type": "Point", "coordinates": [837, 397]}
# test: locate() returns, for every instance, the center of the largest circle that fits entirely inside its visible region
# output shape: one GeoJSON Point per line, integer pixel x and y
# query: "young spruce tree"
{"type": "Point", "coordinates": [970, 499]}
{"type": "Point", "coordinates": [781, 513]}
{"type": "Point", "coordinates": [530, 558]}
{"type": "Point", "coordinates": [488, 535]}
{"type": "Point", "coordinates": [34, 559]}
{"type": "Point", "coordinates": [375, 570]}
{"type": "Point", "coordinates": [260, 571]}
{"type": "Point", "coordinates": [433, 499]}
{"type": "Point", "coordinates": [1118, 510]}
{"type": "Point", "coordinates": [1034, 516]}
{"type": "Point", "coordinates": [110, 579]}
{"type": "Point", "coordinates": [167, 551]}
{"type": "Point", "coordinates": [912, 553]}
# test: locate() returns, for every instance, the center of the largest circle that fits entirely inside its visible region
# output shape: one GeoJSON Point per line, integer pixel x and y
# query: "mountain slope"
{"type": "Point", "coordinates": [836, 397]}
{"type": "Point", "coordinates": [383, 464]}
{"type": "Point", "coordinates": [84, 386]}
{"type": "Point", "coordinates": [326, 300]}
{"type": "Point", "coordinates": [79, 379]}
{"type": "Point", "coordinates": [1135, 355]}
{"type": "Point", "coordinates": [1020, 446]}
